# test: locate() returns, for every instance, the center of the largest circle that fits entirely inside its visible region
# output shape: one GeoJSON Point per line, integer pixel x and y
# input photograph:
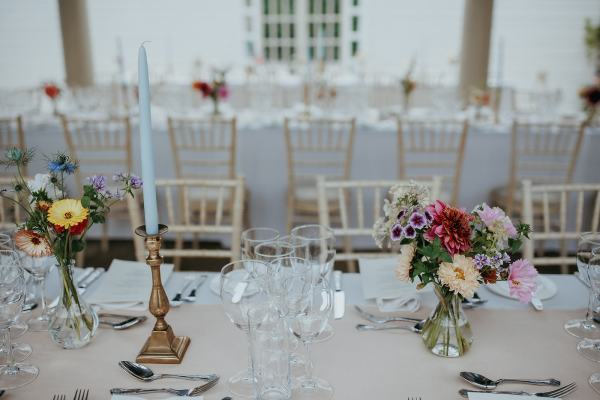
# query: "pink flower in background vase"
{"type": "Point", "coordinates": [223, 92]}
{"type": "Point", "coordinates": [522, 280]}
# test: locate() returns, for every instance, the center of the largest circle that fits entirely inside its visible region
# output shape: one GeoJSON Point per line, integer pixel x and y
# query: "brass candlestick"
{"type": "Point", "coordinates": [162, 347]}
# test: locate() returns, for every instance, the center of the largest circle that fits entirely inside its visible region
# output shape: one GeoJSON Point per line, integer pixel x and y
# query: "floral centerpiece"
{"type": "Point", "coordinates": [217, 90]}
{"type": "Point", "coordinates": [591, 100]}
{"type": "Point", "coordinates": [53, 92]}
{"type": "Point", "coordinates": [408, 85]}
{"type": "Point", "coordinates": [456, 251]}
{"type": "Point", "coordinates": [57, 224]}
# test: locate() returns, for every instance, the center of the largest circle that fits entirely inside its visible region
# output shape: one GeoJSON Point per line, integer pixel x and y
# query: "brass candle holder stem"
{"type": "Point", "coordinates": [162, 347]}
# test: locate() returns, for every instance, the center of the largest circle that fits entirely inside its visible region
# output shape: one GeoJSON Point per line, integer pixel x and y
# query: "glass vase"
{"type": "Point", "coordinates": [74, 322]}
{"type": "Point", "coordinates": [216, 111]}
{"type": "Point", "coordinates": [447, 332]}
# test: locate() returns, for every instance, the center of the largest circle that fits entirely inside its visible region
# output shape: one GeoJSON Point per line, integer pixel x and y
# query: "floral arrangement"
{"type": "Point", "coordinates": [217, 90]}
{"type": "Point", "coordinates": [591, 98]}
{"type": "Point", "coordinates": [454, 249]}
{"type": "Point", "coordinates": [408, 84]}
{"type": "Point", "coordinates": [56, 224]}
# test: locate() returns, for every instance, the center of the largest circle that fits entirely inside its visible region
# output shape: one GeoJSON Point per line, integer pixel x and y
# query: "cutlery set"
{"type": "Point", "coordinates": [190, 297]}
{"type": "Point", "coordinates": [80, 394]}
{"type": "Point", "coordinates": [145, 374]}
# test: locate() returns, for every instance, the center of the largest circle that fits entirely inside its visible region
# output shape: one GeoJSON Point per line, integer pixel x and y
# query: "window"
{"type": "Point", "coordinates": [279, 30]}
{"type": "Point", "coordinates": [355, 24]}
{"type": "Point", "coordinates": [354, 48]}
{"type": "Point", "coordinates": [324, 18]}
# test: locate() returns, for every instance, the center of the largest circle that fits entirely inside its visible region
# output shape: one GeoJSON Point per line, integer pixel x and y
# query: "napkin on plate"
{"type": "Point", "coordinates": [126, 285]}
{"type": "Point", "coordinates": [380, 284]}
{"type": "Point", "coordinates": [129, 397]}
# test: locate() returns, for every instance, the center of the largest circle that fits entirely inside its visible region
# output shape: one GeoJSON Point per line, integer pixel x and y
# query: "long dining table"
{"type": "Point", "coordinates": [510, 340]}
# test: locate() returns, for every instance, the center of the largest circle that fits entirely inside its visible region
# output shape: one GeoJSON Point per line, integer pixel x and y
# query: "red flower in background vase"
{"type": "Point", "coordinates": [452, 226]}
{"type": "Point", "coordinates": [51, 90]}
{"type": "Point", "coordinates": [202, 87]}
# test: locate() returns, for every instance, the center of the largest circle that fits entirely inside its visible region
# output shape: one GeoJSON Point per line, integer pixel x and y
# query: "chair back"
{"type": "Point", "coordinates": [542, 153]}
{"type": "Point", "coordinates": [220, 221]}
{"type": "Point", "coordinates": [353, 200]}
{"type": "Point", "coordinates": [558, 214]}
{"type": "Point", "coordinates": [102, 144]}
{"type": "Point", "coordinates": [318, 146]}
{"type": "Point", "coordinates": [203, 147]}
{"type": "Point", "coordinates": [428, 148]}
{"type": "Point", "coordinates": [11, 135]}
{"type": "Point", "coordinates": [11, 215]}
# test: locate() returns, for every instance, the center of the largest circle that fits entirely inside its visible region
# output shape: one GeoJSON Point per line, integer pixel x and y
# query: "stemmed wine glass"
{"type": "Point", "coordinates": [310, 319]}
{"type": "Point", "coordinates": [39, 267]}
{"type": "Point", "coordinates": [590, 348]}
{"type": "Point", "coordinates": [594, 381]}
{"type": "Point", "coordinates": [12, 295]}
{"type": "Point", "coordinates": [255, 236]}
{"type": "Point", "coordinates": [241, 290]}
{"type": "Point", "coordinates": [586, 328]}
{"type": "Point", "coordinates": [319, 244]}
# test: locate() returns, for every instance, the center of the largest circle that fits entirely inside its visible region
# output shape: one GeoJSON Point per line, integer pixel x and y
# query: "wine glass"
{"type": "Point", "coordinates": [12, 295]}
{"type": "Point", "coordinates": [594, 381]}
{"type": "Point", "coordinates": [590, 348]}
{"type": "Point", "coordinates": [255, 236]}
{"type": "Point", "coordinates": [585, 328]}
{"type": "Point", "coordinates": [241, 290]}
{"type": "Point", "coordinates": [38, 267]}
{"type": "Point", "coordinates": [319, 245]}
{"type": "Point", "coordinates": [309, 321]}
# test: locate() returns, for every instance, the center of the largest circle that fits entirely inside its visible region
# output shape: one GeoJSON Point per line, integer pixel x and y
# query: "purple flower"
{"type": "Point", "coordinates": [98, 182]}
{"type": "Point", "coordinates": [401, 214]}
{"type": "Point", "coordinates": [135, 182]}
{"type": "Point", "coordinates": [481, 260]}
{"type": "Point", "coordinates": [410, 232]}
{"type": "Point", "coordinates": [396, 233]}
{"type": "Point", "coordinates": [417, 220]}
{"type": "Point", "coordinates": [428, 216]}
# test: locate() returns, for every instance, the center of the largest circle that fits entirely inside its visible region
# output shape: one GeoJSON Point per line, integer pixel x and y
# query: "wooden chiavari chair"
{"type": "Point", "coordinates": [433, 148]}
{"type": "Point", "coordinates": [540, 152]}
{"type": "Point", "coordinates": [576, 204]}
{"type": "Point", "coordinates": [11, 215]}
{"type": "Point", "coordinates": [226, 219]}
{"type": "Point", "coordinates": [360, 195]}
{"type": "Point", "coordinates": [103, 147]}
{"type": "Point", "coordinates": [315, 147]}
{"type": "Point", "coordinates": [11, 135]}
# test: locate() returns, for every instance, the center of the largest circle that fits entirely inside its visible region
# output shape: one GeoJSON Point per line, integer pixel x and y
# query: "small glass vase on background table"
{"type": "Point", "coordinates": [447, 332]}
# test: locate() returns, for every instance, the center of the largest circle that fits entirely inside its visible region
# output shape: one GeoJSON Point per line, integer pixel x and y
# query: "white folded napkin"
{"type": "Point", "coordinates": [129, 397]}
{"type": "Point", "coordinates": [408, 303]}
{"type": "Point", "coordinates": [126, 285]}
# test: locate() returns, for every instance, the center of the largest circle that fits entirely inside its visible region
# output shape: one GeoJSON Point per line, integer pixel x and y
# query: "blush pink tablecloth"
{"type": "Point", "coordinates": [360, 365]}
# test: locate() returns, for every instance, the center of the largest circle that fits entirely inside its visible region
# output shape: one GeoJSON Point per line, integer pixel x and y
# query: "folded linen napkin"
{"type": "Point", "coordinates": [411, 302]}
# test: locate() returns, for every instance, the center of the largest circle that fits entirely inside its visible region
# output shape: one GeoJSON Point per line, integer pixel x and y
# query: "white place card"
{"type": "Point", "coordinates": [495, 396]}
{"type": "Point", "coordinates": [379, 281]}
{"type": "Point", "coordinates": [127, 282]}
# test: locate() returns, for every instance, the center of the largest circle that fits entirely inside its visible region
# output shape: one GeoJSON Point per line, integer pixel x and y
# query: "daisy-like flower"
{"type": "Point", "coordinates": [407, 253]}
{"type": "Point", "coordinates": [67, 213]}
{"type": "Point", "coordinates": [460, 275]}
{"type": "Point", "coordinates": [522, 280]}
{"type": "Point", "coordinates": [32, 243]}
{"type": "Point", "coordinates": [43, 205]}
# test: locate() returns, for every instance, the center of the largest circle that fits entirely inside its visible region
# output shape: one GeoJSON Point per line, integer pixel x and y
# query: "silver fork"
{"type": "Point", "coordinates": [382, 320]}
{"type": "Point", "coordinates": [177, 392]}
{"type": "Point", "coordinates": [81, 394]}
{"type": "Point", "coordinates": [414, 398]}
{"type": "Point", "coordinates": [560, 392]}
{"type": "Point", "coordinates": [59, 397]}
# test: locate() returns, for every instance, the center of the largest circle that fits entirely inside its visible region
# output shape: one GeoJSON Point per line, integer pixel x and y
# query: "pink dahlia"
{"type": "Point", "coordinates": [522, 280]}
{"type": "Point", "coordinates": [451, 225]}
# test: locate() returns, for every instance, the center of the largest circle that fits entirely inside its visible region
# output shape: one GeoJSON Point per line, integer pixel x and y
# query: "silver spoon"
{"type": "Point", "coordinates": [417, 328]}
{"type": "Point", "coordinates": [144, 373]}
{"type": "Point", "coordinates": [483, 382]}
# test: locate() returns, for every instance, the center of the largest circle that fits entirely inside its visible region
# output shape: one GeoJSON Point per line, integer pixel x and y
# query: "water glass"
{"type": "Point", "coordinates": [241, 290]}
{"type": "Point", "coordinates": [589, 348]}
{"type": "Point", "coordinates": [255, 236]}
{"type": "Point", "coordinates": [12, 295]}
{"type": "Point", "coordinates": [38, 267]}
{"type": "Point", "coordinates": [586, 328]}
{"type": "Point", "coordinates": [269, 339]}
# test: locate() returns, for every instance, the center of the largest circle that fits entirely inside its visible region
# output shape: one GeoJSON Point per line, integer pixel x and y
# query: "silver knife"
{"type": "Point", "coordinates": [186, 285]}
{"type": "Point", "coordinates": [339, 297]}
{"type": "Point", "coordinates": [192, 296]}
{"type": "Point", "coordinates": [85, 283]}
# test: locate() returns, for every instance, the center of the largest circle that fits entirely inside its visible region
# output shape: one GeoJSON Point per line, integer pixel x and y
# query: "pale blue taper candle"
{"type": "Point", "coordinates": [147, 145]}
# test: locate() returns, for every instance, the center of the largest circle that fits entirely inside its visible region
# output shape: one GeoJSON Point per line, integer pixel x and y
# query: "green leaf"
{"type": "Point", "coordinates": [78, 245]}
{"type": "Point", "coordinates": [85, 201]}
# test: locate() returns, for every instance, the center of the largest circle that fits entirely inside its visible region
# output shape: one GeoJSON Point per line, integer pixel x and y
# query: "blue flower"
{"type": "Point", "coordinates": [55, 166]}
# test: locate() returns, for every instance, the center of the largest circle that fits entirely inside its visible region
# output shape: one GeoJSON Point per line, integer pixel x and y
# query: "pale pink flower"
{"type": "Point", "coordinates": [497, 221]}
{"type": "Point", "coordinates": [407, 253]}
{"type": "Point", "coordinates": [522, 280]}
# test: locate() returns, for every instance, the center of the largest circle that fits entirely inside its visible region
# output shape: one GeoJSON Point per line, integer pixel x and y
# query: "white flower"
{"type": "Point", "coordinates": [42, 182]}
{"type": "Point", "coordinates": [407, 253]}
{"type": "Point", "coordinates": [461, 275]}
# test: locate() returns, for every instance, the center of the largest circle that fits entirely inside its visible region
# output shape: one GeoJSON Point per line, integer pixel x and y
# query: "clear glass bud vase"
{"type": "Point", "coordinates": [447, 332]}
{"type": "Point", "coordinates": [74, 322]}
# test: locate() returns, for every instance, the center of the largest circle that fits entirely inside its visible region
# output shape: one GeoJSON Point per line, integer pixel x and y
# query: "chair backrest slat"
{"type": "Point", "coordinates": [11, 135]}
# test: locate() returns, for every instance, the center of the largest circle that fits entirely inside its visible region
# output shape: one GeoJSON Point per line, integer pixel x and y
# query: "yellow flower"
{"type": "Point", "coordinates": [407, 253]}
{"type": "Point", "coordinates": [67, 213]}
{"type": "Point", "coordinates": [32, 243]}
{"type": "Point", "coordinates": [460, 275]}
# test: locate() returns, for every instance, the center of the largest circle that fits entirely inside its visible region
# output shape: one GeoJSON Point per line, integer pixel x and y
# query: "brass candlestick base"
{"type": "Point", "coordinates": [162, 347]}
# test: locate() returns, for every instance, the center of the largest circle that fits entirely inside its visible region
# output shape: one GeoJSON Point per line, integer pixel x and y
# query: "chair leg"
{"type": "Point", "coordinates": [178, 246]}
{"type": "Point", "coordinates": [80, 259]}
{"type": "Point", "coordinates": [104, 240]}
{"type": "Point", "coordinates": [290, 213]}
{"type": "Point", "coordinates": [350, 264]}
{"type": "Point", "coordinates": [246, 218]}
